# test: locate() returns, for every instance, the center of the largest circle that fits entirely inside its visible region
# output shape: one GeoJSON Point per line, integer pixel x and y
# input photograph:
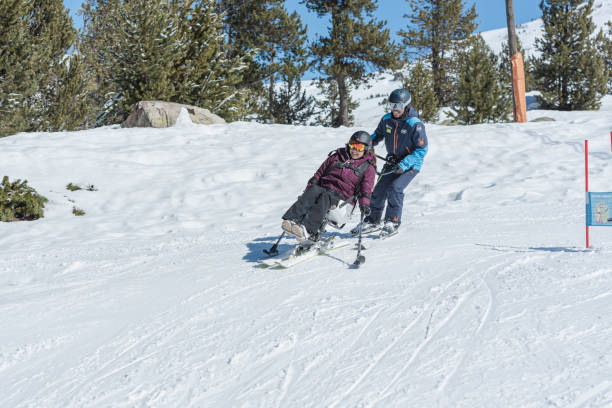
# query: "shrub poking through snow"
{"type": "Point", "coordinates": [20, 202]}
{"type": "Point", "coordinates": [76, 187]}
{"type": "Point", "coordinates": [78, 212]}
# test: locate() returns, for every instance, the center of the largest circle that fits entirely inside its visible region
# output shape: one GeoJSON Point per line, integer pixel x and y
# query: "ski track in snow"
{"type": "Point", "coordinates": [154, 298]}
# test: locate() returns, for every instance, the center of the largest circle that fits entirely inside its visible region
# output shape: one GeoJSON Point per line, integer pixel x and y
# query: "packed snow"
{"type": "Point", "coordinates": [487, 298]}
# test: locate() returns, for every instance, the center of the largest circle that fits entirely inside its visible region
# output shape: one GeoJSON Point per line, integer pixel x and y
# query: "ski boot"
{"type": "Point", "coordinates": [295, 229]}
{"type": "Point", "coordinates": [390, 228]}
{"type": "Point", "coordinates": [368, 227]}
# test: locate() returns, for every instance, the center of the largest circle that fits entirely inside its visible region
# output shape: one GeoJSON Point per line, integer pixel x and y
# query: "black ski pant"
{"type": "Point", "coordinates": [312, 206]}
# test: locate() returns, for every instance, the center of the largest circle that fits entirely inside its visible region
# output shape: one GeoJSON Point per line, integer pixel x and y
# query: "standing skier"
{"type": "Point", "coordinates": [406, 143]}
{"type": "Point", "coordinates": [347, 172]}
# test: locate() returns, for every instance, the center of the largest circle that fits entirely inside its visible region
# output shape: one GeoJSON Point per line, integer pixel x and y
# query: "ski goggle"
{"type": "Point", "coordinates": [360, 147]}
{"type": "Point", "coordinates": [397, 106]}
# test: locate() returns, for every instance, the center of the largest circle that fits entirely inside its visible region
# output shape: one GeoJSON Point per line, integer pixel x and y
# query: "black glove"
{"type": "Point", "coordinates": [392, 159]}
{"type": "Point", "coordinates": [398, 170]}
{"type": "Point", "coordinates": [365, 210]}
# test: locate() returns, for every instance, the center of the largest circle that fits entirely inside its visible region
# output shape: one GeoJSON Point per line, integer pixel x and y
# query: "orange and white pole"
{"type": "Point", "coordinates": [586, 180]}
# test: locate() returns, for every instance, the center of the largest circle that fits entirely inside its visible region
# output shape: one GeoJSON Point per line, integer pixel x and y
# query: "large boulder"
{"type": "Point", "coordinates": [159, 114]}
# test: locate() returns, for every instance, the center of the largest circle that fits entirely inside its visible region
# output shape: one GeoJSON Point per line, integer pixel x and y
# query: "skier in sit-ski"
{"type": "Point", "coordinates": [348, 172]}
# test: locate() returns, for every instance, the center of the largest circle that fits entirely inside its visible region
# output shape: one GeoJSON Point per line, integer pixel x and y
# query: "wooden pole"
{"type": "Point", "coordinates": [518, 70]}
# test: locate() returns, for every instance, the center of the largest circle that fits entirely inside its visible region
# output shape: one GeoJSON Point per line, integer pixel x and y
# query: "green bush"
{"type": "Point", "coordinates": [20, 202]}
{"type": "Point", "coordinates": [76, 187]}
{"type": "Point", "coordinates": [78, 212]}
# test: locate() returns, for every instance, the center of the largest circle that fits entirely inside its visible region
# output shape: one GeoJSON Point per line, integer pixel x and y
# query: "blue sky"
{"type": "Point", "coordinates": [491, 14]}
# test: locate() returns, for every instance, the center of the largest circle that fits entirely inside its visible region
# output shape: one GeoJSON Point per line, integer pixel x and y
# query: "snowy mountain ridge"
{"type": "Point", "coordinates": [528, 32]}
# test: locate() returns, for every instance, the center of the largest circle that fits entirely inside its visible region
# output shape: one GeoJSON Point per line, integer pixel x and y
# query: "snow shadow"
{"type": "Point", "coordinates": [501, 248]}
{"type": "Point", "coordinates": [255, 249]}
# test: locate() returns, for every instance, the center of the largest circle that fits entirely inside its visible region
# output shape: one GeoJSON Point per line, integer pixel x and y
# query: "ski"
{"type": "Point", "coordinates": [311, 254]}
{"type": "Point", "coordinates": [384, 234]}
{"type": "Point", "coordinates": [366, 230]}
{"type": "Point", "coordinates": [273, 260]}
{"type": "Point", "coordinates": [301, 253]}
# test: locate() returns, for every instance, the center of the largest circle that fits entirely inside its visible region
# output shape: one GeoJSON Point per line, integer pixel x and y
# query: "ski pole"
{"type": "Point", "coordinates": [273, 250]}
{"type": "Point", "coordinates": [360, 258]}
{"type": "Point", "coordinates": [383, 158]}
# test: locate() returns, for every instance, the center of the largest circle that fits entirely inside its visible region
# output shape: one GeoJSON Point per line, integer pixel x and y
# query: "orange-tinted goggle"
{"type": "Point", "coordinates": [360, 147]}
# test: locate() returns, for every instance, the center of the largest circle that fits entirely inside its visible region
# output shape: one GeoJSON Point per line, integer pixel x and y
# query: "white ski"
{"type": "Point", "coordinates": [366, 231]}
{"type": "Point", "coordinates": [384, 235]}
{"type": "Point", "coordinates": [300, 254]}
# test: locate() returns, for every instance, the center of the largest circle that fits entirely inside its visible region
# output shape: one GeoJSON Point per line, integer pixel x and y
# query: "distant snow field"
{"type": "Point", "coordinates": [153, 298]}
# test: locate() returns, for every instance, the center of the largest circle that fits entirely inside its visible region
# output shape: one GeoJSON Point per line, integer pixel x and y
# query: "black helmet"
{"type": "Point", "coordinates": [400, 96]}
{"type": "Point", "coordinates": [362, 136]}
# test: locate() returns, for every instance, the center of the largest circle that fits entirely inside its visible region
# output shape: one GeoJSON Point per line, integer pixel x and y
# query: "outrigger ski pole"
{"type": "Point", "coordinates": [273, 251]}
{"type": "Point", "coordinates": [360, 258]}
{"type": "Point", "coordinates": [382, 172]}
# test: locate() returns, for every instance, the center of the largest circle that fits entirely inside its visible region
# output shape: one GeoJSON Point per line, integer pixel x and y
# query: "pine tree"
{"type": "Point", "coordinates": [351, 44]}
{"type": "Point", "coordinates": [273, 43]}
{"type": "Point", "coordinates": [290, 105]}
{"type": "Point", "coordinates": [328, 107]}
{"type": "Point", "coordinates": [100, 18]}
{"type": "Point", "coordinates": [205, 72]}
{"type": "Point", "coordinates": [436, 28]}
{"type": "Point", "coordinates": [172, 50]}
{"type": "Point", "coordinates": [20, 202]}
{"type": "Point", "coordinates": [570, 71]}
{"type": "Point", "coordinates": [17, 79]}
{"type": "Point", "coordinates": [287, 63]}
{"type": "Point", "coordinates": [72, 106]}
{"type": "Point", "coordinates": [481, 95]}
{"type": "Point", "coordinates": [420, 85]}
{"type": "Point", "coordinates": [141, 56]}
{"type": "Point", "coordinates": [35, 37]}
{"type": "Point", "coordinates": [604, 43]}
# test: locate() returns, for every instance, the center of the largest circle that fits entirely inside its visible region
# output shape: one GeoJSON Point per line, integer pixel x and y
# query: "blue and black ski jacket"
{"type": "Point", "coordinates": [404, 138]}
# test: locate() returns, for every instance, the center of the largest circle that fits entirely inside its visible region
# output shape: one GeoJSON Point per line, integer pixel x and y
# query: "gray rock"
{"type": "Point", "coordinates": [542, 119]}
{"type": "Point", "coordinates": [159, 114]}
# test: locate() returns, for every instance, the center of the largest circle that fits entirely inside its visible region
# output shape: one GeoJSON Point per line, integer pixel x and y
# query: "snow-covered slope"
{"type": "Point", "coordinates": [487, 298]}
{"type": "Point", "coordinates": [528, 32]}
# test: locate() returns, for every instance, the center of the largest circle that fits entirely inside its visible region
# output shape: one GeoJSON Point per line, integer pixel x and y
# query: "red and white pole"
{"type": "Point", "coordinates": [586, 179]}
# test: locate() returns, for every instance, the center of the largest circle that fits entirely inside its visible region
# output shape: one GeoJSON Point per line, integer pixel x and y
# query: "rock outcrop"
{"type": "Point", "coordinates": [159, 114]}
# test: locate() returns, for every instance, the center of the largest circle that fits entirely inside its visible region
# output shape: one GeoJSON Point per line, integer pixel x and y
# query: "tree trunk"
{"type": "Point", "coordinates": [436, 69]}
{"type": "Point", "coordinates": [512, 43]}
{"type": "Point", "coordinates": [343, 115]}
{"type": "Point", "coordinates": [271, 93]}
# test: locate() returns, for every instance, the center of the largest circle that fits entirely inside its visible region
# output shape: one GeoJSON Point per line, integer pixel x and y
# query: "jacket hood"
{"type": "Point", "coordinates": [409, 112]}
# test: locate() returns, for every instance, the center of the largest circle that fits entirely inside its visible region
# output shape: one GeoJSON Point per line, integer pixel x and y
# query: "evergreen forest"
{"type": "Point", "coordinates": [246, 60]}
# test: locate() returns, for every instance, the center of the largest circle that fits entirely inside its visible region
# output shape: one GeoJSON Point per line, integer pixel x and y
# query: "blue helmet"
{"type": "Point", "coordinates": [400, 96]}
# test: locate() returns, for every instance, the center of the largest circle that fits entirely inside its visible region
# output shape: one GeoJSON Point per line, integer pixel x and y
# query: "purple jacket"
{"type": "Point", "coordinates": [344, 180]}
